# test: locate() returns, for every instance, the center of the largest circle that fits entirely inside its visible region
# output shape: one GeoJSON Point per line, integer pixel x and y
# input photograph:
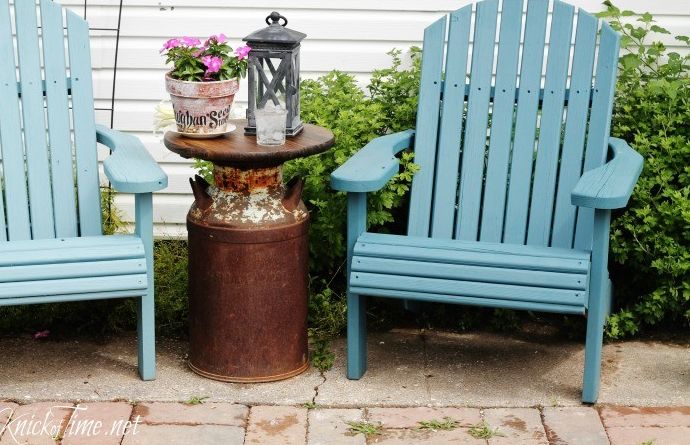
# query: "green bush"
{"type": "Point", "coordinates": [650, 239]}
{"type": "Point", "coordinates": [337, 102]}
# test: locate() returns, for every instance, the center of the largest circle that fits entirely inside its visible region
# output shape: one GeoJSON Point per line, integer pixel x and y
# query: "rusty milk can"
{"type": "Point", "coordinates": [248, 258]}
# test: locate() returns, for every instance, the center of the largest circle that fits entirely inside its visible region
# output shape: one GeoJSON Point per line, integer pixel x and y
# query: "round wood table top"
{"type": "Point", "coordinates": [238, 149]}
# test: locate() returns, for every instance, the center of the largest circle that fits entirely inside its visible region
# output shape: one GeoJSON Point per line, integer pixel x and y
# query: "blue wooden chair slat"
{"type": "Point", "coordinates": [535, 250]}
{"type": "Point", "coordinates": [35, 144]}
{"type": "Point", "coordinates": [11, 137]}
{"type": "Point", "coordinates": [549, 145]}
{"type": "Point", "coordinates": [450, 137]}
{"type": "Point", "coordinates": [50, 251]}
{"type": "Point", "coordinates": [84, 123]}
{"type": "Point", "coordinates": [467, 272]}
{"type": "Point", "coordinates": [474, 148]}
{"type": "Point", "coordinates": [58, 120]}
{"type": "Point", "coordinates": [73, 269]}
{"type": "Point", "coordinates": [366, 280]}
{"type": "Point", "coordinates": [427, 127]}
{"type": "Point", "coordinates": [525, 123]}
{"type": "Point", "coordinates": [599, 123]}
{"type": "Point", "coordinates": [470, 301]}
{"type": "Point", "coordinates": [575, 129]}
{"type": "Point", "coordinates": [502, 117]}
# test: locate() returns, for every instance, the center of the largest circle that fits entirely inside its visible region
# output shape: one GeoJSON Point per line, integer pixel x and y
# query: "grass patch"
{"type": "Point", "coordinates": [311, 405]}
{"type": "Point", "coordinates": [366, 428]}
{"type": "Point", "coordinates": [197, 400]}
{"type": "Point", "coordinates": [484, 431]}
{"type": "Point", "coordinates": [446, 424]}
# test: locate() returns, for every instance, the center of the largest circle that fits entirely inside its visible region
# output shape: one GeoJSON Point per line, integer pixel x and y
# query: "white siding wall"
{"type": "Point", "coordinates": [351, 36]}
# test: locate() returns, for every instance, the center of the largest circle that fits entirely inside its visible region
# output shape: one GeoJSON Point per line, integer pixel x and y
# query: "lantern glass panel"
{"type": "Point", "coordinates": [271, 82]}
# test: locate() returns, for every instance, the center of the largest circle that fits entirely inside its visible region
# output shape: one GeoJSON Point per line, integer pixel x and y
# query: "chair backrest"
{"type": "Point", "coordinates": [500, 144]}
{"type": "Point", "coordinates": [49, 184]}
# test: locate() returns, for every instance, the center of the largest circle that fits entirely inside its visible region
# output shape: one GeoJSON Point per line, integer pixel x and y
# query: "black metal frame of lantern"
{"type": "Point", "coordinates": [274, 72]}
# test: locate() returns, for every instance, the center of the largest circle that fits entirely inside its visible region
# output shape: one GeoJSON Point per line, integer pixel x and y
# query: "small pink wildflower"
{"type": "Point", "coordinates": [190, 42]}
{"type": "Point", "coordinates": [212, 63]}
{"type": "Point", "coordinates": [41, 334]}
{"type": "Point", "coordinates": [172, 43]}
{"type": "Point", "coordinates": [242, 51]}
{"type": "Point", "coordinates": [220, 38]}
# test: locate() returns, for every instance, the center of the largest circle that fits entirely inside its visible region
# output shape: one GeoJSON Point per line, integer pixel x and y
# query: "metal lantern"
{"type": "Point", "coordinates": [274, 71]}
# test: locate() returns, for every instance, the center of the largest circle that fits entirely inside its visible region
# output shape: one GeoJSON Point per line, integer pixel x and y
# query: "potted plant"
{"type": "Point", "coordinates": [203, 82]}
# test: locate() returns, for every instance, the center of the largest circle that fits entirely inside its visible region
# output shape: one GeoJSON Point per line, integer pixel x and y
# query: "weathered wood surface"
{"type": "Point", "coordinates": [237, 148]}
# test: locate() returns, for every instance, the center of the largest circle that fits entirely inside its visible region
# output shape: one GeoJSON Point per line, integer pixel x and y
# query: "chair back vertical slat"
{"type": "Point", "coordinates": [14, 176]}
{"type": "Point", "coordinates": [84, 123]}
{"type": "Point", "coordinates": [575, 129]}
{"type": "Point", "coordinates": [450, 133]}
{"type": "Point", "coordinates": [599, 122]}
{"type": "Point", "coordinates": [427, 128]}
{"type": "Point", "coordinates": [548, 148]}
{"type": "Point", "coordinates": [502, 117]}
{"type": "Point", "coordinates": [525, 123]}
{"type": "Point", "coordinates": [61, 161]}
{"type": "Point", "coordinates": [474, 148]}
{"type": "Point", "coordinates": [3, 227]}
{"type": "Point", "coordinates": [33, 114]}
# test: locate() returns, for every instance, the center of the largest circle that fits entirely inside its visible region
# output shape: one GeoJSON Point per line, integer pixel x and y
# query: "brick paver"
{"type": "Point", "coordinates": [614, 416]}
{"type": "Point", "coordinates": [277, 425]}
{"type": "Point", "coordinates": [186, 434]}
{"type": "Point", "coordinates": [417, 437]}
{"type": "Point", "coordinates": [517, 426]}
{"type": "Point", "coordinates": [157, 423]}
{"type": "Point", "coordinates": [98, 423]}
{"type": "Point", "coordinates": [330, 427]}
{"type": "Point", "coordinates": [6, 410]}
{"type": "Point", "coordinates": [574, 426]}
{"type": "Point", "coordinates": [672, 435]}
{"type": "Point", "coordinates": [410, 417]}
{"type": "Point", "coordinates": [156, 413]}
{"type": "Point", "coordinates": [36, 423]}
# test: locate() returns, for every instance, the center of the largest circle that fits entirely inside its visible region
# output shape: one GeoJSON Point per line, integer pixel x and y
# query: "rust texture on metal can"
{"type": "Point", "coordinates": [246, 179]}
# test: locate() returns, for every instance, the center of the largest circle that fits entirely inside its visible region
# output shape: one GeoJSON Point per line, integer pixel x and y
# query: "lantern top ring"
{"type": "Point", "coordinates": [275, 17]}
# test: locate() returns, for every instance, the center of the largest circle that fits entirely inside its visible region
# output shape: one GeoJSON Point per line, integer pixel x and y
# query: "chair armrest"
{"type": "Point", "coordinates": [130, 168]}
{"type": "Point", "coordinates": [610, 186]}
{"type": "Point", "coordinates": [373, 166]}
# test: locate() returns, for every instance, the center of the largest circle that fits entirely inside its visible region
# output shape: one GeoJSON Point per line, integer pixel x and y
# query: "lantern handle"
{"type": "Point", "coordinates": [275, 18]}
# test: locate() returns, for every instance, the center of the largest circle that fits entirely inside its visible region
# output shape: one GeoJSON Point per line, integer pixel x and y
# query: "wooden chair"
{"type": "Point", "coordinates": [501, 213]}
{"type": "Point", "coordinates": [52, 247]}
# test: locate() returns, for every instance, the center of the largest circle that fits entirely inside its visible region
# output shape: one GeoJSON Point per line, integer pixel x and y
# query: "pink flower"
{"type": "Point", "coordinates": [190, 42]}
{"type": "Point", "coordinates": [172, 43]}
{"type": "Point", "coordinates": [41, 334]}
{"type": "Point", "coordinates": [220, 38]}
{"type": "Point", "coordinates": [212, 63]}
{"type": "Point", "coordinates": [242, 51]}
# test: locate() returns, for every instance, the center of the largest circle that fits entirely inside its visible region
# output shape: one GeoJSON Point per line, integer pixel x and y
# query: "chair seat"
{"type": "Point", "coordinates": [68, 269]}
{"type": "Point", "coordinates": [475, 273]}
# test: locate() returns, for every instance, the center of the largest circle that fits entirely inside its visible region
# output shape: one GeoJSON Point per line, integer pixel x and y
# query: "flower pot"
{"type": "Point", "coordinates": [202, 109]}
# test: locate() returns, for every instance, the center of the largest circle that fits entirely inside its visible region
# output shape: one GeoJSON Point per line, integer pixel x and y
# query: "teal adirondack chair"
{"type": "Point", "coordinates": [501, 213]}
{"type": "Point", "coordinates": [52, 247]}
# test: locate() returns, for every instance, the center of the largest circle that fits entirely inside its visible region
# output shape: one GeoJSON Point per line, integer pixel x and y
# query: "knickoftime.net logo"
{"type": "Point", "coordinates": [62, 421]}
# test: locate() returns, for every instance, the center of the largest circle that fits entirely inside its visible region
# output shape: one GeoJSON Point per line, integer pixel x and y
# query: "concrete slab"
{"type": "Point", "coordinates": [89, 371]}
{"type": "Point", "coordinates": [395, 375]}
{"type": "Point", "coordinates": [406, 368]}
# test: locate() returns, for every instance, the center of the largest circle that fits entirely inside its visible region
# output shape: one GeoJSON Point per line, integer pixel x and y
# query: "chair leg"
{"type": "Point", "coordinates": [593, 347]}
{"type": "Point", "coordinates": [598, 307]}
{"type": "Point", "coordinates": [356, 336]}
{"type": "Point", "coordinates": [146, 319]}
{"type": "Point", "coordinates": [147, 337]}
